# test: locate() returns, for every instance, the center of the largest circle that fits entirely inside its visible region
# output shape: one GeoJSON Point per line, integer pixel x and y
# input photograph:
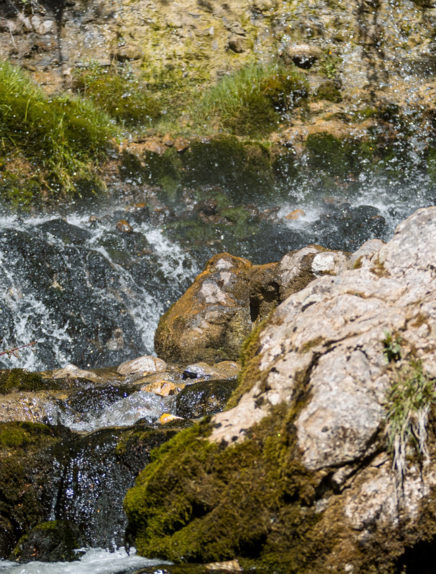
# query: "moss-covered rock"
{"type": "Point", "coordinates": [237, 501]}
{"type": "Point", "coordinates": [25, 473]}
{"type": "Point", "coordinates": [53, 541]}
{"type": "Point", "coordinates": [210, 321]}
{"type": "Point", "coordinates": [21, 380]}
{"type": "Point", "coordinates": [297, 475]}
{"type": "Point", "coordinates": [242, 168]}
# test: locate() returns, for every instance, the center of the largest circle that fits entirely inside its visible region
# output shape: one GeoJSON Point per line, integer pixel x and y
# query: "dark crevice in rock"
{"type": "Point", "coordinates": [419, 559]}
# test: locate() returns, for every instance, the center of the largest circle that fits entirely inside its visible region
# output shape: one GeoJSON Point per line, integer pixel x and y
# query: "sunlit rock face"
{"type": "Point", "coordinates": [327, 446]}
{"type": "Point", "coordinates": [325, 352]}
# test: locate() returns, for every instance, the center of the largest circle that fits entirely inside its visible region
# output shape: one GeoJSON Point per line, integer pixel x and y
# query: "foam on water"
{"type": "Point", "coordinates": [140, 405]}
{"type": "Point", "coordinates": [94, 561]}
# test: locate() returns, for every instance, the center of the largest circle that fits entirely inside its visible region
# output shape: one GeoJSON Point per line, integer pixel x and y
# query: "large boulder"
{"type": "Point", "coordinates": [326, 461]}
{"type": "Point", "coordinates": [230, 297]}
{"type": "Point", "coordinates": [210, 321]}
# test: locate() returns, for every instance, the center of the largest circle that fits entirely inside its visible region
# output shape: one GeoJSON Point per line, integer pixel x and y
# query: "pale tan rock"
{"type": "Point", "coordinates": [73, 372]}
{"type": "Point", "coordinates": [332, 333]}
{"type": "Point", "coordinates": [228, 566]}
{"type": "Point", "coordinates": [227, 369]}
{"type": "Point", "coordinates": [166, 418]}
{"type": "Point", "coordinates": [298, 268]}
{"type": "Point", "coordinates": [35, 407]}
{"type": "Point", "coordinates": [142, 365]}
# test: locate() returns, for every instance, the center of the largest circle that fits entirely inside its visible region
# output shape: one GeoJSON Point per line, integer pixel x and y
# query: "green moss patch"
{"type": "Point", "coordinates": [240, 167]}
{"type": "Point", "coordinates": [122, 95]}
{"type": "Point", "coordinates": [21, 380]}
{"type": "Point", "coordinates": [19, 434]}
{"type": "Point", "coordinates": [199, 501]}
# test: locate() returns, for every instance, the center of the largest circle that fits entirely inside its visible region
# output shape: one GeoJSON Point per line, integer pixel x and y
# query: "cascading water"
{"type": "Point", "coordinates": [91, 294]}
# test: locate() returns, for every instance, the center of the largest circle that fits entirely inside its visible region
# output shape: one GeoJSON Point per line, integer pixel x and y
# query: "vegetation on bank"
{"type": "Point", "coordinates": [408, 404]}
{"type": "Point", "coordinates": [53, 140]}
{"type": "Point", "coordinates": [54, 146]}
{"type": "Point", "coordinates": [253, 100]}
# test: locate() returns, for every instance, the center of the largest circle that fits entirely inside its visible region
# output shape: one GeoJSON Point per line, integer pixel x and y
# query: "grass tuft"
{"type": "Point", "coordinates": [408, 405]}
{"type": "Point", "coordinates": [61, 136]}
{"type": "Point", "coordinates": [253, 100]}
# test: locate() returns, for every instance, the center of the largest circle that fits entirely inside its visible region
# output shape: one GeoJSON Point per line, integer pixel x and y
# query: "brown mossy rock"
{"type": "Point", "coordinates": [210, 321]}
{"type": "Point", "coordinates": [52, 541]}
{"type": "Point", "coordinates": [298, 475]}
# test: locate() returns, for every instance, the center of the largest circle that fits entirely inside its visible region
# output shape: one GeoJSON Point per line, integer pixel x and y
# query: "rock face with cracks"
{"type": "Point", "coordinates": [304, 474]}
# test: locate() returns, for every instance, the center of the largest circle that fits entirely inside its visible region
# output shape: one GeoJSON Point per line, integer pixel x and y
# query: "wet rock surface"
{"type": "Point", "coordinates": [202, 399]}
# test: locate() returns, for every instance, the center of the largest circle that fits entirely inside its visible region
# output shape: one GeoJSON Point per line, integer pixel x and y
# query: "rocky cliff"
{"type": "Point", "coordinates": [326, 460]}
{"type": "Point", "coordinates": [369, 65]}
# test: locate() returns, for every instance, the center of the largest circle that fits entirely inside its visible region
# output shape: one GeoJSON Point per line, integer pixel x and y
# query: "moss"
{"type": "Point", "coordinates": [431, 164]}
{"type": "Point", "coordinates": [26, 466]}
{"type": "Point", "coordinates": [20, 434]}
{"type": "Point", "coordinates": [244, 169]}
{"type": "Point", "coordinates": [21, 380]}
{"type": "Point", "coordinates": [337, 156]}
{"type": "Point", "coordinates": [164, 170]}
{"type": "Point", "coordinates": [249, 364]}
{"type": "Point", "coordinates": [120, 94]}
{"type": "Point", "coordinates": [198, 501]}
{"type": "Point", "coordinates": [329, 65]}
{"type": "Point", "coordinates": [51, 541]}
{"type": "Point", "coordinates": [329, 91]}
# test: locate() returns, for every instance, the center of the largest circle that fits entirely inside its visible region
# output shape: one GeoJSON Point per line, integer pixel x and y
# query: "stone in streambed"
{"type": "Point", "coordinates": [213, 317]}
{"type": "Point", "coordinates": [73, 372]}
{"type": "Point", "coordinates": [142, 365]}
{"type": "Point", "coordinates": [204, 398]}
{"type": "Point", "coordinates": [53, 541]}
{"type": "Point", "coordinates": [210, 321]}
{"type": "Point", "coordinates": [201, 370]}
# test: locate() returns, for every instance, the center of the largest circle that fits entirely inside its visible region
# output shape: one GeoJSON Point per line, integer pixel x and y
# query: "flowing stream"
{"type": "Point", "coordinates": [89, 286]}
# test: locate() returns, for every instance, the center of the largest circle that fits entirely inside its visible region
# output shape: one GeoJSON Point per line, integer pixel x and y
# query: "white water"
{"type": "Point", "coordinates": [124, 412]}
{"type": "Point", "coordinates": [94, 288]}
{"type": "Point", "coordinates": [94, 561]}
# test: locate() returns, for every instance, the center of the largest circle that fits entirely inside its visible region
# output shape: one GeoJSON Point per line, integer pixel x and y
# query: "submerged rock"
{"type": "Point", "coordinates": [326, 462]}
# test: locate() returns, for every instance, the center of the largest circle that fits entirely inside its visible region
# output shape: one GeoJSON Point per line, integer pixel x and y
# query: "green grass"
{"type": "Point", "coordinates": [60, 136]}
{"type": "Point", "coordinates": [408, 405]}
{"type": "Point", "coordinates": [253, 100]}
